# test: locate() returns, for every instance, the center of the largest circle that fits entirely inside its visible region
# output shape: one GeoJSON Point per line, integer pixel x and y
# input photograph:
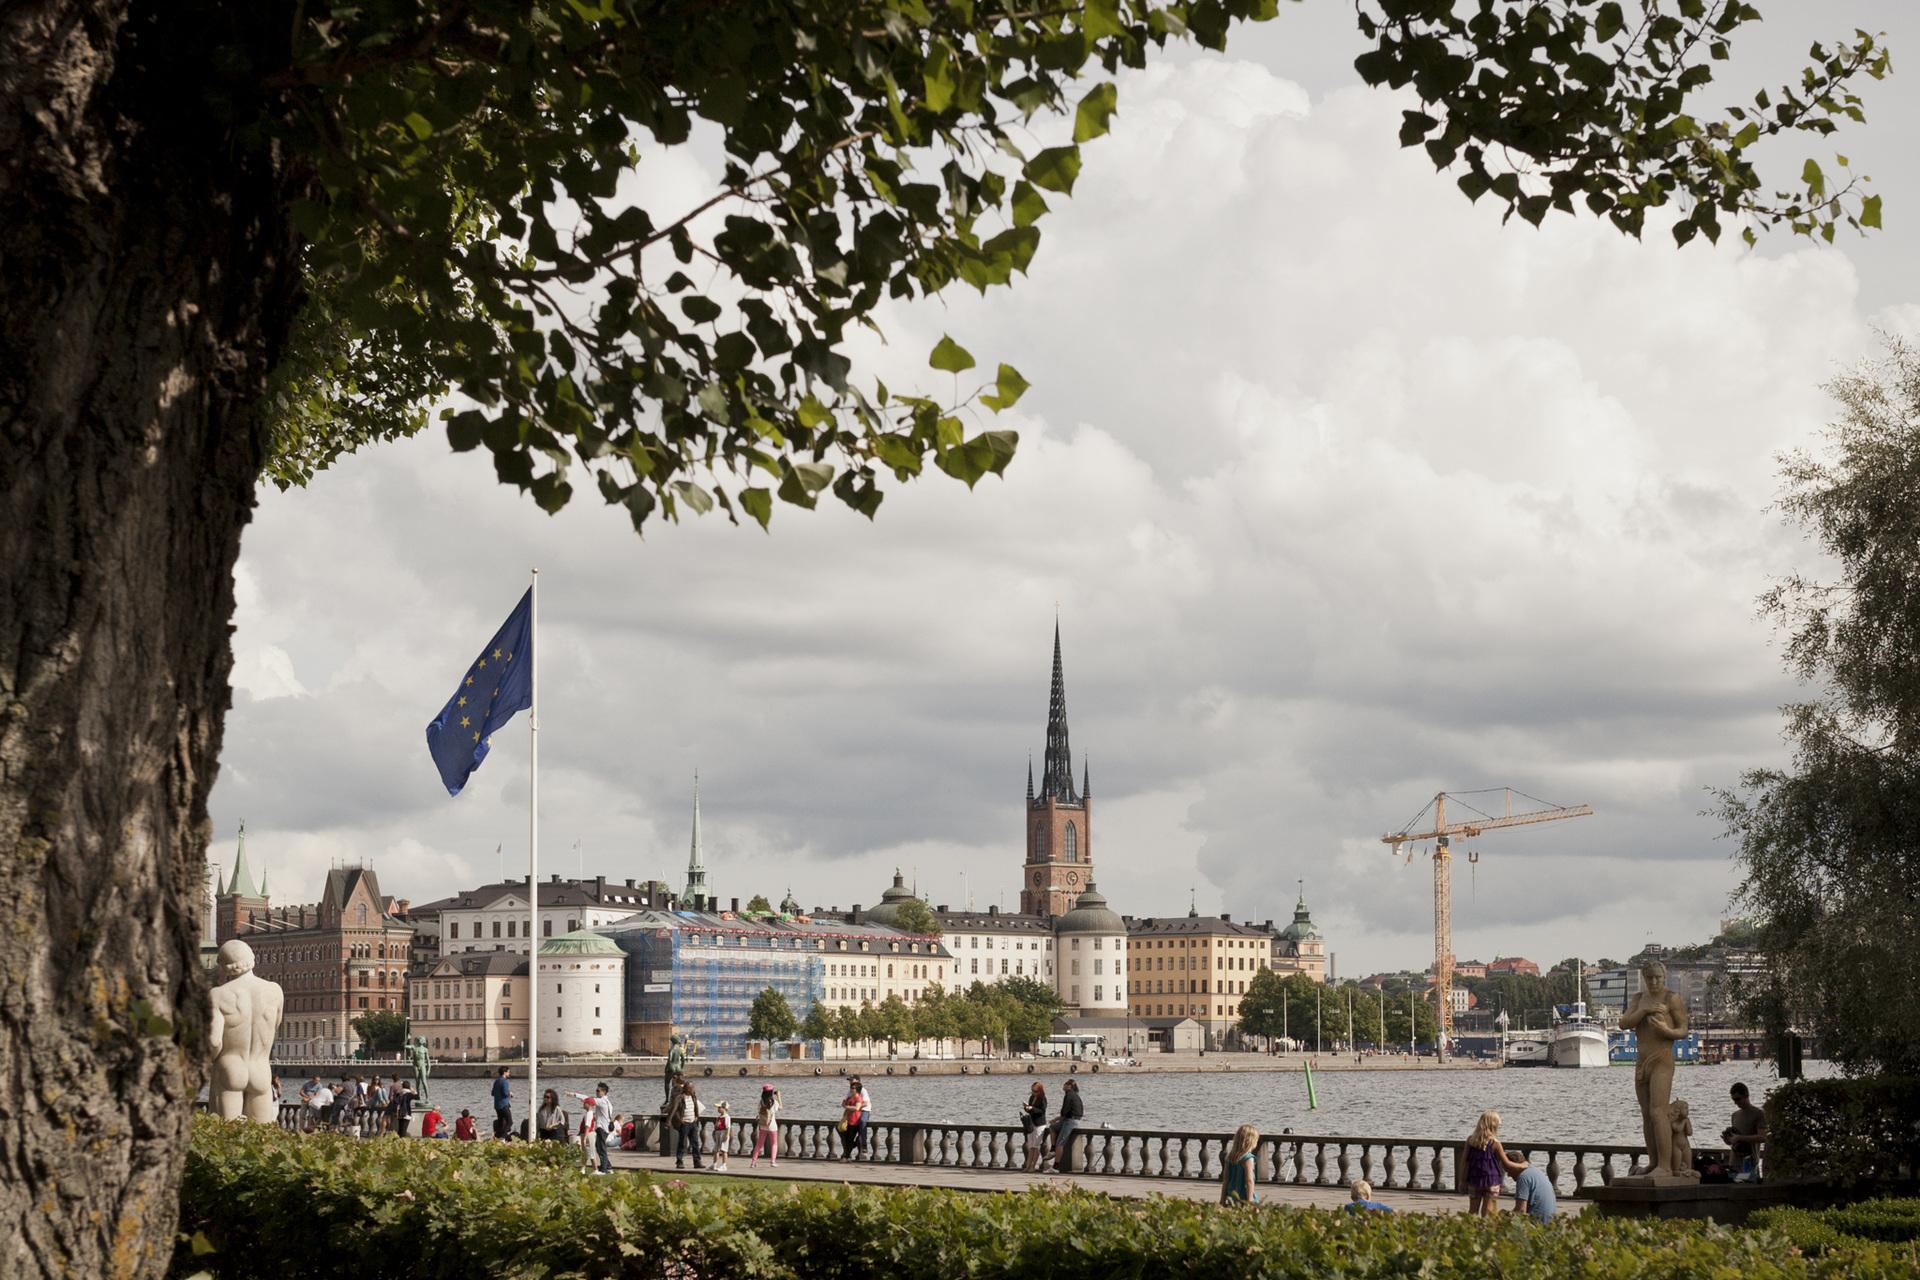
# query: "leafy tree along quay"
{"type": "Point", "coordinates": [1829, 846]}
{"type": "Point", "coordinates": [239, 240]}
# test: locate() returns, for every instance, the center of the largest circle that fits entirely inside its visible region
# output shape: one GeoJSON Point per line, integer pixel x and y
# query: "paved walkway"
{"type": "Point", "coordinates": [897, 1175]}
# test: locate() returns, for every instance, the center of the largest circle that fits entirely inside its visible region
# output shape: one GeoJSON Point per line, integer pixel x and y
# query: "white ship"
{"type": "Point", "coordinates": [1579, 1040]}
{"type": "Point", "coordinates": [1525, 1049]}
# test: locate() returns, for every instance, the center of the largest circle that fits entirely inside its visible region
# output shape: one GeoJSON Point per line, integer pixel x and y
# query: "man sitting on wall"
{"type": "Point", "coordinates": [1747, 1135]}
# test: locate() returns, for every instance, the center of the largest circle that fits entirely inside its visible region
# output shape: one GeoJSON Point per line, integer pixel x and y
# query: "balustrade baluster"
{"type": "Point", "coordinates": [1346, 1175]}
{"type": "Point", "coordinates": [1390, 1167]}
{"type": "Point", "coordinates": [1320, 1167]}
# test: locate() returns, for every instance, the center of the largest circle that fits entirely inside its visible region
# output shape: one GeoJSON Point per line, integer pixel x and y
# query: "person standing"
{"type": "Point", "coordinates": [502, 1106]}
{"type": "Point", "coordinates": [400, 1110]}
{"type": "Point", "coordinates": [852, 1118]}
{"type": "Point", "coordinates": [1487, 1163]}
{"type": "Point", "coordinates": [722, 1135]}
{"type": "Point", "coordinates": [1237, 1168]}
{"type": "Point", "coordinates": [1746, 1136]}
{"type": "Point", "coordinates": [1033, 1119]}
{"type": "Point", "coordinates": [766, 1128]}
{"type": "Point", "coordinates": [686, 1122]}
{"type": "Point", "coordinates": [550, 1121]}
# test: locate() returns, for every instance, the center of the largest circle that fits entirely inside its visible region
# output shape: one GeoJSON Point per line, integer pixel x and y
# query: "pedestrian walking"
{"type": "Point", "coordinates": [766, 1128]}
{"type": "Point", "coordinates": [550, 1121]}
{"type": "Point", "coordinates": [722, 1135]}
{"type": "Point", "coordinates": [1237, 1168]}
{"type": "Point", "coordinates": [1033, 1120]}
{"type": "Point", "coordinates": [686, 1122]}
{"type": "Point", "coordinates": [502, 1106]}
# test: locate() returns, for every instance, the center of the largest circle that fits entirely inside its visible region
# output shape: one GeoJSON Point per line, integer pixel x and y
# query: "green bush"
{"type": "Point", "coordinates": [1845, 1132]}
{"type": "Point", "coordinates": [1889, 1221]}
{"type": "Point", "coordinates": [257, 1201]}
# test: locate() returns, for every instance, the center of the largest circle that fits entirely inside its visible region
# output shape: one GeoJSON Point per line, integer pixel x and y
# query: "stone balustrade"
{"type": "Point", "coordinates": [1390, 1164]}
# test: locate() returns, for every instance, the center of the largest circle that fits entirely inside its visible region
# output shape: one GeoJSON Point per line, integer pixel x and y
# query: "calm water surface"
{"type": "Point", "coordinates": [1538, 1103]}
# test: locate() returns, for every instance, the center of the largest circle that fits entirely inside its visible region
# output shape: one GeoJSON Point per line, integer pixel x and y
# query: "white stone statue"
{"type": "Point", "coordinates": [1659, 1017]}
{"type": "Point", "coordinates": [246, 1017]}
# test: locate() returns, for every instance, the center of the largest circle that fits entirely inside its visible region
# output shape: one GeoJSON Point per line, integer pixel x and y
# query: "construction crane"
{"type": "Point", "coordinates": [1442, 833]}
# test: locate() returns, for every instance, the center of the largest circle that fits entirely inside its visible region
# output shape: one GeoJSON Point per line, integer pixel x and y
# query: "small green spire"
{"type": "Point", "coordinates": [242, 883]}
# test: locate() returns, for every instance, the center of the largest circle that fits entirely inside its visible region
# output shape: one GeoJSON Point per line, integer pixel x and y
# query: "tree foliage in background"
{"type": "Point", "coordinates": [771, 1018]}
{"type": "Point", "coordinates": [759, 905]}
{"type": "Point", "coordinates": [915, 916]}
{"type": "Point", "coordinates": [381, 1030]}
{"type": "Point", "coordinates": [1829, 846]}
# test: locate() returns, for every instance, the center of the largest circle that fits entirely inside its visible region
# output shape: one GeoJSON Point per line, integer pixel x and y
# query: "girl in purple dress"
{"type": "Point", "coordinates": [1486, 1164]}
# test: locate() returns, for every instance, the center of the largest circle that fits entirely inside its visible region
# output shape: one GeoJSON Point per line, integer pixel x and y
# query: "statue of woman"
{"type": "Point", "coordinates": [1659, 1017]}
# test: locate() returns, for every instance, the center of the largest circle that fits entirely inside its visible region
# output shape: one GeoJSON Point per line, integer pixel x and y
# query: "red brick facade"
{"type": "Point", "coordinates": [1059, 862]}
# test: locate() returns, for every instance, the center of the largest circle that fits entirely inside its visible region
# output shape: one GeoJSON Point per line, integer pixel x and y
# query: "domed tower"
{"type": "Point", "coordinates": [1059, 857]}
{"type": "Point", "coordinates": [1303, 942]}
{"type": "Point", "coordinates": [583, 1008]}
{"type": "Point", "coordinates": [1090, 943]}
{"type": "Point", "coordinates": [892, 898]}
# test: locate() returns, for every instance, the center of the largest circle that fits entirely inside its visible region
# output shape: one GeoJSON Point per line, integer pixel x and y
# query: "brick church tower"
{"type": "Point", "coordinates": [1059, 863]}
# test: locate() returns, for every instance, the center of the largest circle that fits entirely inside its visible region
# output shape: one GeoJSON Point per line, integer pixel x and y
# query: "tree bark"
{"type": "Point", "coordinates": [146, 279]}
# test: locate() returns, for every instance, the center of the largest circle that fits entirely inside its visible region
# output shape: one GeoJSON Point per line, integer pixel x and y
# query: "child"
{"type": "Point", "coordinates": [766, 1128]}
{"type": "Point", "coordinates": [1237, 1168]}
{"type": "Point", "coordinates": [721, 1132]}
{"type": "Point", "coordinates": [589, 1148]}
{"type": "Point", "coordinates": [1487, 1163]}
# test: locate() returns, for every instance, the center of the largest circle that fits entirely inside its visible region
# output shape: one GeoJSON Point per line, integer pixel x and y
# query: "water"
{"type": "Point", "coordinates": [1538, 1104]}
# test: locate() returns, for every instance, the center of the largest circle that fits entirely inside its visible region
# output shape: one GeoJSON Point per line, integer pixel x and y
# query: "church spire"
{"type": "Point", "coordinates": [1029, 777]}
{"type": "Point", "coordinates": [696, 868]}
{"type": "Point", "coordinates": [242, 884]}
{"type": "Point", "coordinates": [1056, 771]}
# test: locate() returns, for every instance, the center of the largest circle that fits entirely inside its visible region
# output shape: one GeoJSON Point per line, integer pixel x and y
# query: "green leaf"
{"type": "Point", "coordinates": [1055, 169]}
{"type": "Point", "coordinates": [758, 503]}
{"type": "Point", "coordinates": [950, 357]}
{"type": "Point", "coordinates": [1029, 206]}
{"type": "Point", "coordinates": [1608, 22]}
{"type": "Point", "coordinates": [1870, 211]}
{"type": "Point", "coordinates": [1095, 111]}
{"type": "Point", "coordinates": [1815, 180]}
{"type": "Point", "coordinates": [1010, 387]}
{"type": "Point", "coordinates": [1101, 19]}
{"type": "Point", "coordinates": [421, 126]}
{"type": "Point", "coordinates": [693, 495]}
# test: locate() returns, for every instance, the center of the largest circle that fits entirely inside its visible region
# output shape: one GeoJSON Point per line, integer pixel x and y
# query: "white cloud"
{"type": "Point", "coordinates": [1345, 494]}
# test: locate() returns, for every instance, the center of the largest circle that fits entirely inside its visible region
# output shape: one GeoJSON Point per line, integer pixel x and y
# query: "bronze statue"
{"type": "Point", "coordinates": [422, 1063]}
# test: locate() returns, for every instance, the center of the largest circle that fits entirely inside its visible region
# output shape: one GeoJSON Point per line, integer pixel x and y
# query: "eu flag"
{"type": "Point", "coordinates": [497, 684]}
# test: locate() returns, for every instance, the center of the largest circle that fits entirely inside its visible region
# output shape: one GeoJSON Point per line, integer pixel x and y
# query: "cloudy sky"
{"type": "Point", "coordinates": [1342, 492]}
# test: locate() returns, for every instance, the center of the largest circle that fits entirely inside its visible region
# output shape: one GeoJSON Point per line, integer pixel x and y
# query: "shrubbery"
{"type": "Point", "coordinates": [1889, 1221]}
{"type": "Point", "coordinates": [257, 1201]}
{"type": "Point", "coordinates": [1845, 1132]}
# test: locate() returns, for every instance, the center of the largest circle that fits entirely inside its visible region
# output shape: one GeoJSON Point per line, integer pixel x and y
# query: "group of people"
{"type": "Point", "coordinates": [1046, 1140]}
{"type": "Point", "coordinates": [346, 1105]}
{"type": "Point", "coordinates": [684, 1111]}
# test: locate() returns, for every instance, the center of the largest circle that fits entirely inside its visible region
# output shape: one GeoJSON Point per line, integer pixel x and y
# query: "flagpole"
{"type": "Point", "coordinates": [533, 857]}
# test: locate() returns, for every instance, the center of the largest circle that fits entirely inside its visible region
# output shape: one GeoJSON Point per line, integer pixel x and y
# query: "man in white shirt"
{"type": "Point", "coordinates": [318, 1104]}
{"type": "Point", "coordinates": [600, 1106]}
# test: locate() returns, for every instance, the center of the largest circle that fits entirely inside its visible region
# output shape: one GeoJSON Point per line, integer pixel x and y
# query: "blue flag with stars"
{"type": "Point", "coordinates": [498, 684]}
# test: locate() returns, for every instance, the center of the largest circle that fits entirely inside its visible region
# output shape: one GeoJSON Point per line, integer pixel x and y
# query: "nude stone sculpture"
{"type": "Point", "coordinates": [1680, 1163]}
{"type": "Point", "coordinates": [246, 1017]}
{"type": "Point", "coordinates": [1659, 1017]}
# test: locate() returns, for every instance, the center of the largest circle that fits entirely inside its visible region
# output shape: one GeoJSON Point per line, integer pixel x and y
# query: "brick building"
{"type": "Point", "coordinates": [335, 959]}
{"type": "Point", "coordinates": [1059, 842]}
{"type": "Point", "coordinates": [1514, 965]}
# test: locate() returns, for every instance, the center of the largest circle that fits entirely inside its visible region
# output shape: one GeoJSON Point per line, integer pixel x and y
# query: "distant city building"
{"type": "Point", "coordinates": [472, 1006]}
{"type": "Point", "coordinates": [335, 959]}
{"type": "Point", "coordinates": [991, 945]}
{"type": "Point", "coordinates": [696, 894]}
{"type": "Point", "coordinates": [1513, 965]}
{"type": "Point", "coordinates": [1299, 948]}
{"type": "Point", "coordinates": [1059, 848]}
{"type": "Point", "coordinates": [495, 917]}
{"type": "Point", "coordinates": [1198, 967]}
{"type": "Point", "coordinates": [1469, 969]}
{"type": "Point", "coordinates": [583, 994]}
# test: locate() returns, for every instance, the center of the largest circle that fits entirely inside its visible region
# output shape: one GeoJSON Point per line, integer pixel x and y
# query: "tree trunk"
{"type": "Point", "coordinates": [145, 284]}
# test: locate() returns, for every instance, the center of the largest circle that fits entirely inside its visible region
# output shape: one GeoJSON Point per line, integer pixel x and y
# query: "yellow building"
{"type": "Point", "coordinates": [1195, 966]}
{"type": "Point", "coordinates": [472, 1006]}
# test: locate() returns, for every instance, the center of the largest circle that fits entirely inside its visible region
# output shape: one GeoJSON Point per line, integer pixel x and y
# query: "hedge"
{"type": "Point", "coordinates": [1845, 1132]}
{"type": "Point", "coordinates": [1892, 1221]}
{"type": "Point", "coordinates": [257, 1201]}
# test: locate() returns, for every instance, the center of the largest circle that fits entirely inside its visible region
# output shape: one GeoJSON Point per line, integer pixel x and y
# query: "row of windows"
{"type": "Point", "coordinates": [1099, 993]}
{"type": "Point", "coordinates": [1199, 962]}
{"type": "Point", "coordinates": [974, 944]}
{"type": "Point", "coordinates": [1232, 987]}
{"type": "Point", "coordinates": [513, 929]}
{"type": "Point", "coordinates": [1019, 967]}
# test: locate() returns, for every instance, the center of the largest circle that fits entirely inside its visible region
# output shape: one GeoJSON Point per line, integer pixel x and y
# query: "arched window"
{"type": "Point", "coordinates": [1039, 842]}
{"type": "Point", "coordinates": [1071, 842]}
{"type": "Point", "coordinates": [362, 913]}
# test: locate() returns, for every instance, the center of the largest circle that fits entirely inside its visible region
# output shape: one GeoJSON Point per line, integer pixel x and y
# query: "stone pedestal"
{"type": "Point", "coordinates": [1727, 1203]}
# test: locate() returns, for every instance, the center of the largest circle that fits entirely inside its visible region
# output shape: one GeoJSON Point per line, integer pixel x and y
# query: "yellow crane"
{"type": "Point", "coordinates": [1442, 833]}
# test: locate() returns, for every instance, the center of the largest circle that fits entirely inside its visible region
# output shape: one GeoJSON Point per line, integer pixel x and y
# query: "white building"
{"type": "Point", "coordinates": [1091, 942]}
{"type": "Point", "coordinates": [493, 917]}
{"type": "Point", "coordinates": [582, 978]}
